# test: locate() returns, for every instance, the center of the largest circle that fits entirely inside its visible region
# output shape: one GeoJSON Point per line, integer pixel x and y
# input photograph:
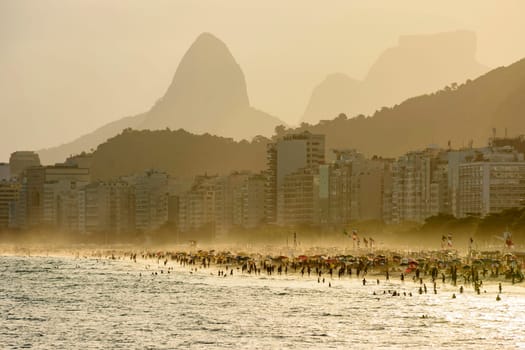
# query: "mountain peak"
{"type": "Point", "coordinates": [455, 114]}
{"type": "Point", "coordinates": [210, 67]}
{"type": "Point", "coordinates": [331, 97]}
{"type": "Point", "coordinates": [206, 47]}
{"type": "Point", "coordinates": [418, 64]}
{"type": "Point", "coordinates": [207, 94]}
{"type": "Point", "coordinates": [208, 83]}
{"type": "Point", "coordinates": [207, 37]}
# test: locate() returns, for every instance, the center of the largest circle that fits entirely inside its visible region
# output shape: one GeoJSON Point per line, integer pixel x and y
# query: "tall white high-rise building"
{"type": "Point", "coordinates": [419, 185]}
{"type": "Point", "coordinates": [151, 199]}
{"type": "Point", "coordinates": [491, 181]}
{"type": "Point", "coordinates": [42, 190]}
{"type": "Point", "coordinates": [107, 207]}
{"type": "Point", "coordinates": [9, 194]}
{"type": "Point", "coordinates": [218, 204]}
{"type": "Point", "coordinates": [286, 157]}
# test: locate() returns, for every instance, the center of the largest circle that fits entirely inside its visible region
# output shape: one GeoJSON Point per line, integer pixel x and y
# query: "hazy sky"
{"type": "Point", "coordinates": [67, 67]}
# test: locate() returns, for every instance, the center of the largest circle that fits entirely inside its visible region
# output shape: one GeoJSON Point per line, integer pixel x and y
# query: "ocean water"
{"type": "Point", "coordinates": [88, 303]}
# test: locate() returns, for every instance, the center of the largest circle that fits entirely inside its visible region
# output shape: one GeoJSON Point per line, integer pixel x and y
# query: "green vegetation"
{"type": "Point", "coordinates": [458, 113]}
{"type": "Point", "coordinates": [179, 153]}
{"type": "Point", "coordinates": [480, 229]}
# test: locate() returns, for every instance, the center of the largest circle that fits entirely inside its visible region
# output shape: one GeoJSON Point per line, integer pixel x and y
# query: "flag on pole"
{"type": "Point", "coordinates": [508, 239]}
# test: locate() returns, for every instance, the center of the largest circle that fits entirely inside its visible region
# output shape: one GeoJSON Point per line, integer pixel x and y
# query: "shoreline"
{"type": "Point", "coordinates": [442, 266]}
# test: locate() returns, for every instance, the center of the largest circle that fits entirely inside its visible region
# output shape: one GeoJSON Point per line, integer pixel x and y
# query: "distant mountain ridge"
{"type": "Point", "coordinates": [336, 94]}
{"type": "Point", "coordinates": [133, 151]}
{"type": "Point", "coordinates": [208, 94]}
{"type": "Point", "coordinates": [418, 64]}
{"type": "Point", "coordinates": [221, 105]}
{"type": "Point", "coordinates": [457, 113]}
